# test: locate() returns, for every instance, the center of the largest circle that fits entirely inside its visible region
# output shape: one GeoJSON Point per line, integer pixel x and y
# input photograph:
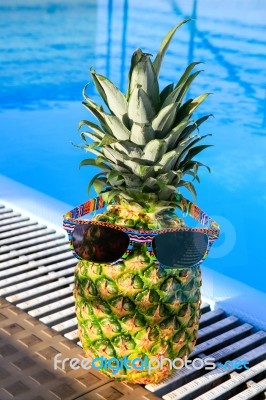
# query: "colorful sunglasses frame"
{"type": "Point", "coordinates": [212, 229]}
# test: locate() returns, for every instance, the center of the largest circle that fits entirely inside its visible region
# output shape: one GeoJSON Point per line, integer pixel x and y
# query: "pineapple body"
{"type": "Point", "coordinates": [135, 309]}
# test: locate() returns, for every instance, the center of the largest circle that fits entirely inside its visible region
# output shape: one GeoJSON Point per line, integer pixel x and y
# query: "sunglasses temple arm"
{"type": "Point", "coordinates": [86, 208]}
{"type": "Point", "coordinates": [186, 206]}
{"type": "Point", "coordinates": [199, 215]}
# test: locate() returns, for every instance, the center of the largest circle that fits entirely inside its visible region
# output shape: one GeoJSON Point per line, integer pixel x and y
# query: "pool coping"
{"type": "Point", "coordinates": [218, 290]}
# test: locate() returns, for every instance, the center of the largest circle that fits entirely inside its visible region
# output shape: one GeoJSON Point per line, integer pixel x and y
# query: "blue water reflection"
{"type": "Point", "coordinates": [47, 49]}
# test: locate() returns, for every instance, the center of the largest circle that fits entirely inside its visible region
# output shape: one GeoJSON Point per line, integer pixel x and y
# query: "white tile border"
{"type": "Point", "coordinates": [35, 204]}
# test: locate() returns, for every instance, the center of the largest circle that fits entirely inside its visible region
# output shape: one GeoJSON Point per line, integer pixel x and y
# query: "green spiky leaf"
{"type": "Point", "coordinates": [164, 120]}
{"type": "Point", "coordinates": [165, 92]}
{"type": "Point", "coordinates": [99, 184]}
{"type": "Point", "coordinates": [189, 107]}
{"type": "Point", "coordinates": [117, 128]}
{"type": "Point", "coordinates": [167, 192]}
{"type": "Point", "coordinates": [140, 107]}
{"type": "Point", "coordinates": [111, 123]}
{"type": "Point", "coordinates": [190, 144]}
{"type": "Point", "coordinates": [186, 74]}
{"type": "Point", "coordinates": [92, 135]}
{"type": "Point", "coordinates": [96, 162]}
{"type": "Point", "coordinates": [191, 128]}
{"type": "Point", "coordinates": [166, 163]}
{"type": "Point", "coordinates": [107, 140]}
{"type": "Point", "coordinates": [142, 171]}
{"type": "Point", "coordinates": [112, 96]}
{"type": "Point", "coordinates": [92, 181]}
{"type": "Point", "coordinates": [128, 148]}
{"type": "Point", "coordinates": [190, 187]}
{"type": "Point", "coordinates": [143, 75]}
{"type": "Point", "coordinates": [196, 150]}
{"type": "Point", "coordinates": [97, 111]}
{"type": "Point", "coordinates": [90, 124]}
{"type": "Point", "coordinates": [182, 86]}
{"type": "Point", "coordinates": [136, 57]}
{"type": "Point", "coordinates": [154, 150]}
{"type": "Point", "coordinates": [164, 46]}
{"type": "Point", "coordinates": [185, 87]}
{"type": "Point", "coordinates": [173, 136]}
{"type": "Point", "coordinates": [192, 164]}
{"type": "Point", "coordinates": [115, 178]}
{"type": "Point", "coordinates": [151, 184]}
{"type": "Point", "coordinates": [141, 134]}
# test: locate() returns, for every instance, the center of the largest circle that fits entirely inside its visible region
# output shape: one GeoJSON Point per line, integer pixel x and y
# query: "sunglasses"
{"type": "Point", "coordinates": [102, 242]}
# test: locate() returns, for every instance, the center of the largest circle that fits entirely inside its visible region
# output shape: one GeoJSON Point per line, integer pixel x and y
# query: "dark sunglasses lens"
{"type": "Point", "coordinates": [99, 244]}
{"type": "Point", "coordinates": [180, 249]}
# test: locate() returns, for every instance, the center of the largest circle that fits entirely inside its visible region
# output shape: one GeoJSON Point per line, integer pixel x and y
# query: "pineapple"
{"type": "Point", "coordinates": [144, 146]}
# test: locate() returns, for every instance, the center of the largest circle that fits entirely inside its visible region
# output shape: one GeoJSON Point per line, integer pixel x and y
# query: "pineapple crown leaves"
{"type": "Point", "coordinates": [146, 142]}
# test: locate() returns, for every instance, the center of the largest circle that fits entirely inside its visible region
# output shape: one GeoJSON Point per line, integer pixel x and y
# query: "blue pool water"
{"type": "Point", "coordinates": [47, 48]}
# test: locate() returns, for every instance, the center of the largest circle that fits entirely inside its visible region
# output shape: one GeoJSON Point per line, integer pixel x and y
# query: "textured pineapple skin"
{"type": "Point", "coordinates": [124, 320]}
{"type": "Point", "coordinates": [136, 309]}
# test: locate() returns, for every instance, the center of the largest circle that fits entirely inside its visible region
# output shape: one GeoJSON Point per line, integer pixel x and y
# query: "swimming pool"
{"type": "Point", "coordinates": [47, 49]}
